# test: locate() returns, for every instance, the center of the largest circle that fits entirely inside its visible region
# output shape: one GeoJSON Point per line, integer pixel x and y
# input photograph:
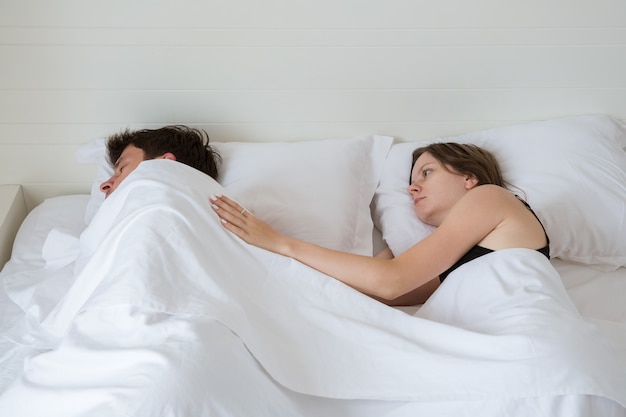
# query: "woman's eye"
{"type": "Point", "coordinates": [426, 172]}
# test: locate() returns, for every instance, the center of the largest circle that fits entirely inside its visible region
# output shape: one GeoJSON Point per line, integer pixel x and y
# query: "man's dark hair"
{"type": "Point", "coordinates": [189, 145]}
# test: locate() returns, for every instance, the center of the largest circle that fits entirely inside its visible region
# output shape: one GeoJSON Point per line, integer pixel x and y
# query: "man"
{"type": "Point", "coordinates": [126, 150]}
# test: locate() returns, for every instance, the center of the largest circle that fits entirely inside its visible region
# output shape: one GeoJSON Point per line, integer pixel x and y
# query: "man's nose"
{"type": "Point", "coordinates": [106, 186]}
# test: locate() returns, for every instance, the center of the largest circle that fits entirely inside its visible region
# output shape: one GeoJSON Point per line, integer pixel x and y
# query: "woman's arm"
{"type": "Point", "coordinates": [417, 296]}
{"type": "Point", "coordinates": [385, 254]}
{"type": "Point", "coordinates": [381, 278]}
{"type": "Point", "coordinates": [367, 274]}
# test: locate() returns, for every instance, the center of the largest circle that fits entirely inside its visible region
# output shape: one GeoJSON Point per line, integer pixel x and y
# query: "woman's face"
{"type": "Point", "coordinates": [435, 189]}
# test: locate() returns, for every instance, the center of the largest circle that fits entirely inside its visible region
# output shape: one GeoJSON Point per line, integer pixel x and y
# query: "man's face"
{"type": "Point", "coordinates": [130, 158]}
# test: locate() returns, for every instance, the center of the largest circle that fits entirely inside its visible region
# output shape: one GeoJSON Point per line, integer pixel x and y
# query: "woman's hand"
{"type": "Point", "coordinates": [244, 224]}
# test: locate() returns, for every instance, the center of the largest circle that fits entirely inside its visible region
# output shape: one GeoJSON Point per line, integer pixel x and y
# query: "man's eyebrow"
{"type": "Point", "coordinates": [120, 159]}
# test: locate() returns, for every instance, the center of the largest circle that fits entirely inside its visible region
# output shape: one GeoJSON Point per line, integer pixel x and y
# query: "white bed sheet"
{"type": "Point", "coordinates": [235, 383]}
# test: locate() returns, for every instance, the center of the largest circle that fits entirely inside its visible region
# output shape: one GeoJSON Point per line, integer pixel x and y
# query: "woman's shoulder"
{"type": "Point", "coordinates": [488, 201]}
{"type": "Point", "coordinates": [475, 216]}
{"type": "Point", "coordinates": [486, 204]}
{"type": "Point", "coordinates": [490, 193]}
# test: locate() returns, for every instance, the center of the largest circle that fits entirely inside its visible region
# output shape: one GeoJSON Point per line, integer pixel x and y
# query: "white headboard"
{"type": "Point", "coordinates": [291, 70]}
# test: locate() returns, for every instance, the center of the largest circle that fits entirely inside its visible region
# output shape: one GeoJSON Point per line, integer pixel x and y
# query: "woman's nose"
{"type": "Point", "coordinates": [413, 188]}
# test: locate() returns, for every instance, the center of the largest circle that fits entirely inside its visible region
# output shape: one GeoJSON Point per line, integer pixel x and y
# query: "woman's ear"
{"type": "Point", "coordinates": [470, 182]}
{"type": "Point", "coordinates": [169, 156]}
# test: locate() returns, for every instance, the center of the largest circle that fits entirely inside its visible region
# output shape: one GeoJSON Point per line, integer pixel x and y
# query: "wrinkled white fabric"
{"type": "Point", "coordinates": [155, 267]}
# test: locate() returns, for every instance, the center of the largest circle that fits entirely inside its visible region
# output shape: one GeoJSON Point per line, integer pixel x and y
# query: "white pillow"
{"type": "Point", "coordinates": [572, 172]}
{"type": "Point", "coordinates": [63, 213]}
{"type": "Point", "coordinates": [392, 207]}
{"type": "Point", "coordinates": [319, 191]}
{"type": "Point", "coordinates": [94, 153]}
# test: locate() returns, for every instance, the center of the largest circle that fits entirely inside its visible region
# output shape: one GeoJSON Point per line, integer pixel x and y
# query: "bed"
{"type": "Point", "coordinates": [144, 305]}
{"type": "Point", "coordinates": [315, 107]}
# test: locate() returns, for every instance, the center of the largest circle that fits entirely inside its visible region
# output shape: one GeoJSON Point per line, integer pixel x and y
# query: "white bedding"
{"type": "Point", "coordinates": [157, 310]}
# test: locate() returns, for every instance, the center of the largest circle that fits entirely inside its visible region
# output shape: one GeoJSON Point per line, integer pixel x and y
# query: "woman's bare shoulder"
{"type": "Point", "coordinates": [488, 189]}
{"type": "Point", "coordinates": [488, 195]}
{"type": "Point", "coordinates": [481, 210]}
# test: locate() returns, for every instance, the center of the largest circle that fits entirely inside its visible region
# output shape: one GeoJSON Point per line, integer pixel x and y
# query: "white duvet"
{"type": "Point", "coordinates": [168, 314]}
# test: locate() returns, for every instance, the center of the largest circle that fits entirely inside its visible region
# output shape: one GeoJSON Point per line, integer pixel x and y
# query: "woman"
{"type": "Point", "coordinates": [456, 187]}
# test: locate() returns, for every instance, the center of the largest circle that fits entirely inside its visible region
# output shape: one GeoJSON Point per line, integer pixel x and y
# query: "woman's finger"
{"type": "Point", "coordinates": [229, 210]}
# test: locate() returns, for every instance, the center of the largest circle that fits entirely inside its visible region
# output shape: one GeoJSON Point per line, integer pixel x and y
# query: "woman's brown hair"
{"type": "Point", "coordinates": [465, 159]}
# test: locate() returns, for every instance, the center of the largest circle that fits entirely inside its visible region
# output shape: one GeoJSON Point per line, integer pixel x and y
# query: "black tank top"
{"type": "Point", "coordinates": [478, 251]}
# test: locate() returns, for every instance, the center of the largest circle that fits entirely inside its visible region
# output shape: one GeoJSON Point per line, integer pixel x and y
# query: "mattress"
{"type": "Point", "coordinates": [227, 379]}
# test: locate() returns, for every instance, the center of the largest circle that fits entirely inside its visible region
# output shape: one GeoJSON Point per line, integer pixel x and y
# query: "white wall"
{"type": "Point", "coordinates": [292, 70]}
